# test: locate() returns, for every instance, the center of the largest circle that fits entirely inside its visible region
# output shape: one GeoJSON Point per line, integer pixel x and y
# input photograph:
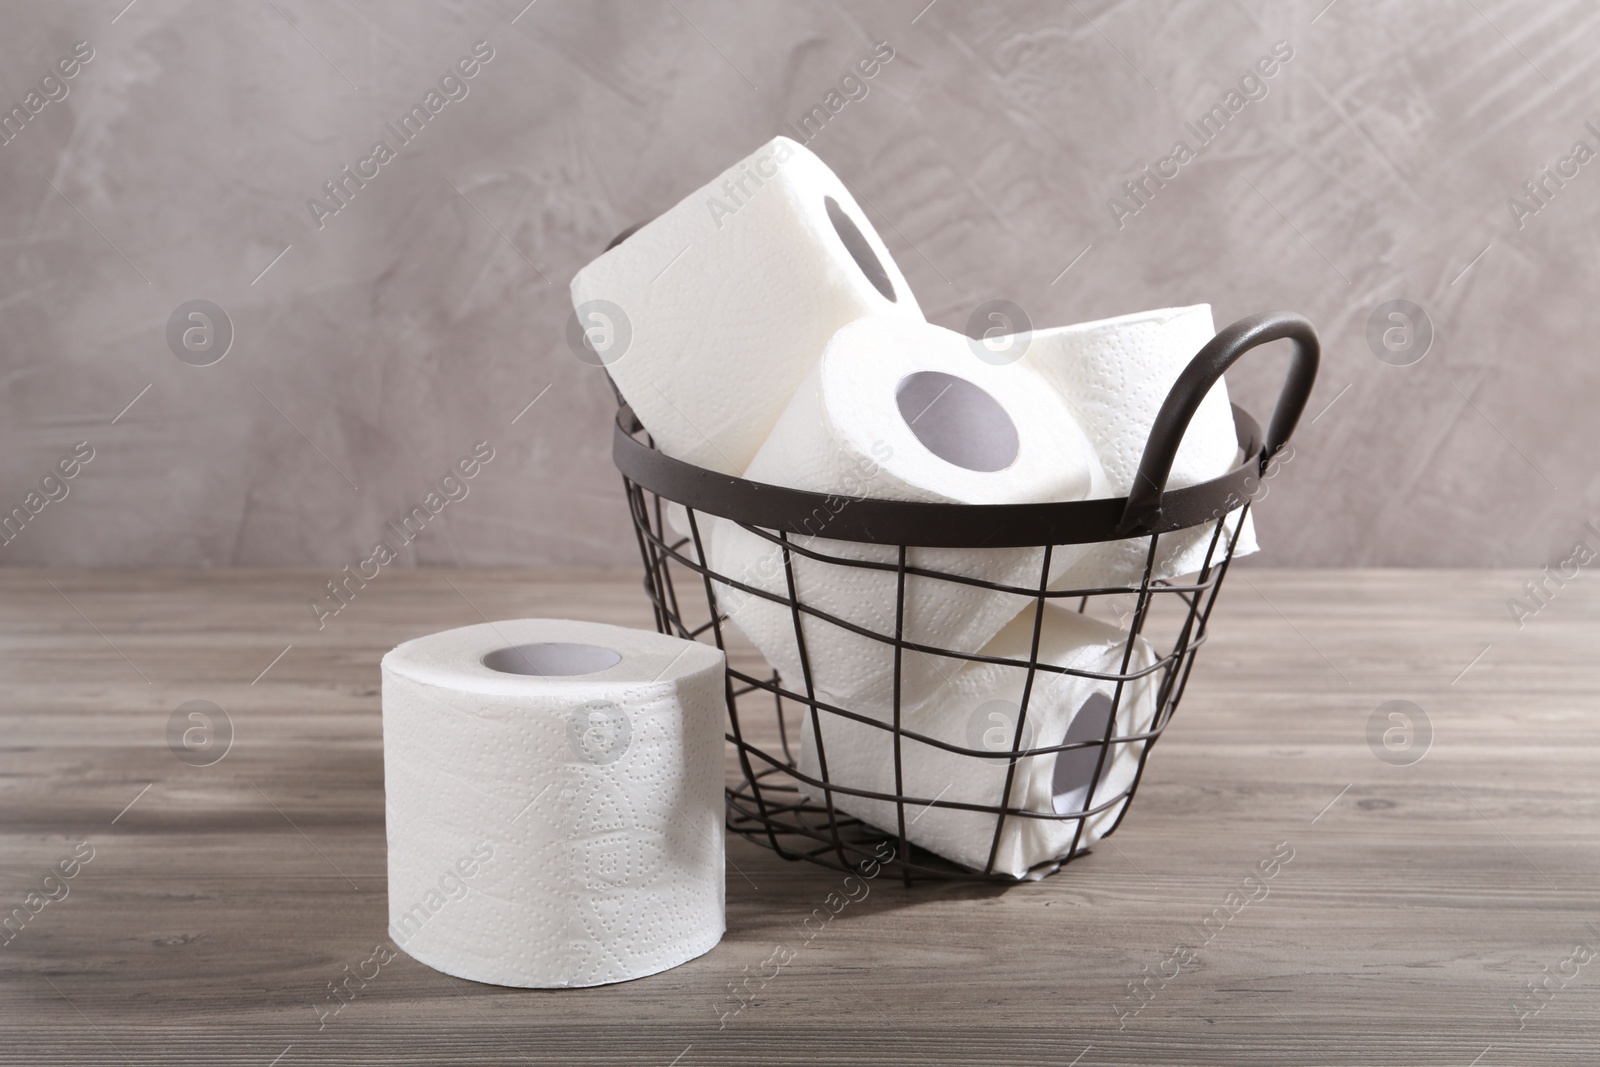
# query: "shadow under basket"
{"type": "Point", "coordinates": [788, 803]}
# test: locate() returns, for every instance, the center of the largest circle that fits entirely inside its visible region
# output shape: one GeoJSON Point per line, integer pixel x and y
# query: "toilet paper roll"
{"type": "Point", "coordinates": [1115, 374]}
{"type": "Point", "coordinates": [900, 411]}
{"type": "Point", "coordinates": [554, 798]}
{"type": "Point", "coordinates": [732, 295]}
{"type": "Point", "coordinates": [977, 711]}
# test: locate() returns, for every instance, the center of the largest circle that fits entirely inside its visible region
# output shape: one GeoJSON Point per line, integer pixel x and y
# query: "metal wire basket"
{"type": "Point", "coordinates": [792, 805]}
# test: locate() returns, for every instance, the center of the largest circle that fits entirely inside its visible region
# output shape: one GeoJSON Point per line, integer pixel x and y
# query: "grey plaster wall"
{"type": "Point", "coordinates": [373, 348]}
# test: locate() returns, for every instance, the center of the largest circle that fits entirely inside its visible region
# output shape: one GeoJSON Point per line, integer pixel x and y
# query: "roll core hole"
{"type": "Point", "coordinates": [548, 659]}
{"type": "Point", "coordinates": [957, 421]}
{"type": "Point", "coordinates": [855, 242]}
{"type": "Point", "coordinates": [1074, 770]}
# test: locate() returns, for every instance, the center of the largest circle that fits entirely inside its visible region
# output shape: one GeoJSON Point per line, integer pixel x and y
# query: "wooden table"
{"type": "Point", "coordinates": [222, 900]}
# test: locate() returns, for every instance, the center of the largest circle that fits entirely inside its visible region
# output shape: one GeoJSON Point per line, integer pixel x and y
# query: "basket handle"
{"type": "Point", "coordinates": [1143, 509]}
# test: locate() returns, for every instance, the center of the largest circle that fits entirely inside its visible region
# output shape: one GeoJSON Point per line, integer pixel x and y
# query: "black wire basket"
{"type": "Point", "coordinates": [855, 821]}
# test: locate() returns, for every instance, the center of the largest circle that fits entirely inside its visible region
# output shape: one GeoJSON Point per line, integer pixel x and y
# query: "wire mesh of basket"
{"type": "Point", "coordinates": [781, 722]}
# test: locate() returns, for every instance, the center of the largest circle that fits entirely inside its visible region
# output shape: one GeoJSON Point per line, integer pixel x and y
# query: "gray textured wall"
{"type": "Point", "coordinates": [428, 312]}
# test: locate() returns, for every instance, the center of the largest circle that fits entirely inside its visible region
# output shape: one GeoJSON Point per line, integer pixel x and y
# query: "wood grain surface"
{"type": "Point", "coordinates": [221, 901]}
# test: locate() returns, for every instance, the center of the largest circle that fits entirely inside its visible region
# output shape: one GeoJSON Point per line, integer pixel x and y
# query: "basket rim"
{"type": "Point", "coordinates": [872, 520]}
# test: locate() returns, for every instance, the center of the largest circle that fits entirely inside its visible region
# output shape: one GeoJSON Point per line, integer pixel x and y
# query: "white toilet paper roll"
{"type": "Point", "coordinates": [978, 710]}
{"type": "Point", "coordinates": [1115, 374]}
{"type": "Point", "coordinates": [554, 795]}
{"type": "Point", "coordinates": [731, 297]}
{"type": "Point", "coordinates": [900, 411]}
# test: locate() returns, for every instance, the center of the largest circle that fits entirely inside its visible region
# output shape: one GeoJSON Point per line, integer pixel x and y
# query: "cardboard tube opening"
{"type": "Point", "coordinates": [548, 659]}
{"type": "Point", "coordinates": [957, 421]}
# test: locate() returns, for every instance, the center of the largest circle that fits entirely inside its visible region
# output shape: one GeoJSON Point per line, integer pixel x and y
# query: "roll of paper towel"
{"type": "Point", "coordinates": [1115, 374]}
{"type": "Point", "coordinates": [732, 295]}
{"type": "Point", "coordinates": [977, 711]}
{"type": "Point", "coordinates": [554, 796]}
{"type": "Point", "coordinates": [900, 411]}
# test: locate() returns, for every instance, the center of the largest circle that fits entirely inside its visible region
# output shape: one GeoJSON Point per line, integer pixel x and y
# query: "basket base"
{"type": "Point", "coordinates": [798, 830]}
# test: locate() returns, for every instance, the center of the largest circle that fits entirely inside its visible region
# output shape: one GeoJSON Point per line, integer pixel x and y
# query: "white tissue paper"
{"type": "Point", "coordinates": [978, 710]}
{"type": "Point", "coordinates": [732, 295]}
{"type": "Point", "coordinates": [900, 411]}
{"type": "Point", "coordinates": [555, 804]}
{"type": "Point", "coordinates": [1115, 374]}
